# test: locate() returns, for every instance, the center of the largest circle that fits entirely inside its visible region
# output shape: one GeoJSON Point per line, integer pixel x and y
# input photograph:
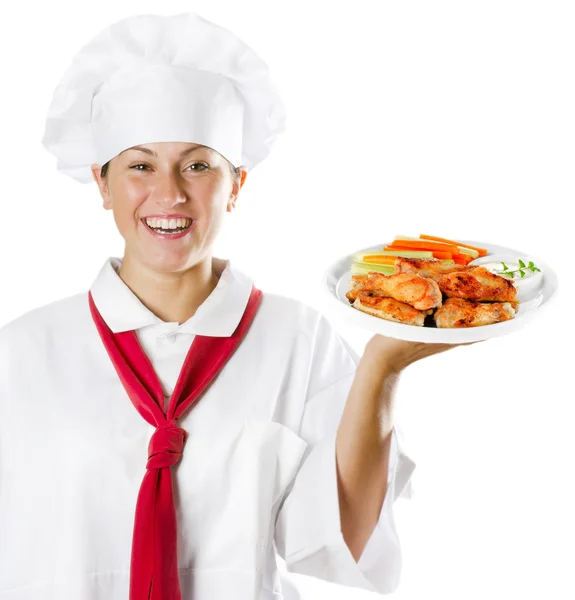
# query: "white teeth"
{"type": "Point", "coordinates": [168, 224]}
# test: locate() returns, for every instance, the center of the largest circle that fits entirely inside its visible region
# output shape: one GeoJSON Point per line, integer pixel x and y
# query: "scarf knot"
{"type": "Point", "coordinates": [166, 445]}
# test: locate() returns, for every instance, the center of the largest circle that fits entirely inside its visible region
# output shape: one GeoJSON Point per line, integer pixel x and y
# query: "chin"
{"type": "Point", "coordinates": [170, 262]}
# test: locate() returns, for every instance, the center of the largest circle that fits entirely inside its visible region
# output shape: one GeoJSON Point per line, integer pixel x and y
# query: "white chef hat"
{"type": "Point", "coordinates": [162, 78]}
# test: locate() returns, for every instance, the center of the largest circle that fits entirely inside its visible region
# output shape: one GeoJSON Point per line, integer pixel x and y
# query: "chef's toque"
{"type": "Point", "coordinates": [162, 78]}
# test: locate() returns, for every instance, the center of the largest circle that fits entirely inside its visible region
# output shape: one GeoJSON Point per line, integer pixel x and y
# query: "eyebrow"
{"type": "Point", "coordinates": [152, 153]}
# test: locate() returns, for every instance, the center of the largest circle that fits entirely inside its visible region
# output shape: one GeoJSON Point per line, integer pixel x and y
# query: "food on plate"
{"type": "Point", "coordinates": [388, 308]}
{"type": "Point", "coordinates": [419, 292]}
{"type": "Point", "coordinates": [405, 253]}
{"type": "Point", "coordinates": [477, 284]}
{"type": "Point", "coordinates": [433, 276]}
{"type": "Point", "coordinates": [405, 242]}
{"type": "Point", "coordinates": [427, 267]}
{"type": "Point", "coordinates": [361, 268]}
{"type": "Point", "coordinates": [458, 312]}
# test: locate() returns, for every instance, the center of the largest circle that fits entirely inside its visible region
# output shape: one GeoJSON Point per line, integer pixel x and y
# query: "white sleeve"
{"type": "Point", "coordinates": [308, 527]}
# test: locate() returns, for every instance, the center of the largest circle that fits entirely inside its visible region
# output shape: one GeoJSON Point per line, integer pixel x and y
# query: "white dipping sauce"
{"type": "Point", "coordinates": [497, 267]}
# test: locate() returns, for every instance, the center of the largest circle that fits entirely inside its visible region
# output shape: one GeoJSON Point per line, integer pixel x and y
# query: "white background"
{"type": "Point", "coordinates": [448, 118]}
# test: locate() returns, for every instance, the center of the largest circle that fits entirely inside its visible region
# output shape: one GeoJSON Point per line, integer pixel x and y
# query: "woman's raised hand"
{"type": "Point", "coordinates": [399, 354]}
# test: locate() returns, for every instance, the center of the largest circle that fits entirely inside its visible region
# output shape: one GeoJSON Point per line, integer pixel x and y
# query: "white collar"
{"type": "Point", "coordinates": [217, 316]}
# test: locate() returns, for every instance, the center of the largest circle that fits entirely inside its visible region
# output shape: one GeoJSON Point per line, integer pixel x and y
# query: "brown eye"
{"type": "Point", "coordinates": [139, 165]}
{"type": "Point", "coordinates": [202, 165]}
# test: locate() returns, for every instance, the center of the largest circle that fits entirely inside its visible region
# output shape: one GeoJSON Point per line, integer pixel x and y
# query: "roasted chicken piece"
{"type": "Point", "coordinates": [373, 303]}
{"type": "Point", "coordinates": [357, 281]}
{"type": "Point", "coordinates": [419, 292]}
{"type": "Point", "coordinates": [477, 284]}
{"type": "Point", "coordinates": [457, 312]}
{"type": "Point", "coordinates": [427, 267]}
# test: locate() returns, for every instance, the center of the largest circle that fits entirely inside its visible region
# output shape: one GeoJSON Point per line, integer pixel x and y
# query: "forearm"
{"type": "Point", "coordinates": [363, 447]}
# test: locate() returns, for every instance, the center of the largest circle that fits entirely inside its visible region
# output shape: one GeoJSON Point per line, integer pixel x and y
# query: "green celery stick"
{"type": "Point", "coordinates": [468, 251]}
{"type": "Point", "coordinates": [359, 268]}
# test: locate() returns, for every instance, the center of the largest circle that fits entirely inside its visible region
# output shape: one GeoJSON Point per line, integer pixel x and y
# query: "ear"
{"type": "Point", "coordinates": [237, 186]}
{"type": "Point", "coordinates": [243, 175]}
{"type": "Point", "coordinates": [102, 185]}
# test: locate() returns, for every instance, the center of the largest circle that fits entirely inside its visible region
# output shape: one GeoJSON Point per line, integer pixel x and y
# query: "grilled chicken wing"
{"type": "Point", "coordinates": [387, 308]}
{"type": "Point", "coordinates": [357, 282]}
{"type": "Point", "coordinates": [419, 292]}
{"type": "Point", "coordinates": [457, 312]}
{"type": "Point", "coordinates": [427, 267]}
{"type": "Point", "coordinates": [477, 284]}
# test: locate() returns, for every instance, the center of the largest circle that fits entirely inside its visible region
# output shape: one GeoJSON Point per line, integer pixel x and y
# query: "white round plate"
{"type": "Point", "coordinates": [532, 298]}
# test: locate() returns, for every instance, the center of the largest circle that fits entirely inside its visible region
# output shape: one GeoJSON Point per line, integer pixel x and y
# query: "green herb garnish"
{"type": "Point", "coordinates": [507, 271]}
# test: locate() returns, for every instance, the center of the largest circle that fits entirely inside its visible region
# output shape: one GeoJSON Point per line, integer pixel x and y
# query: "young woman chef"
{"type": "Point", "coordinates": [164, 434]}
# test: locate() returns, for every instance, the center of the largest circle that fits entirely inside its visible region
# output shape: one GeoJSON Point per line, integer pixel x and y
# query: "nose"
{"type": "Point", "coordinates": [169, 190]}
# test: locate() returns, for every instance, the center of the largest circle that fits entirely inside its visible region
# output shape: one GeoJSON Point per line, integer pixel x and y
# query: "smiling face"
{"type": "Point", "coordinates": [169, 178]}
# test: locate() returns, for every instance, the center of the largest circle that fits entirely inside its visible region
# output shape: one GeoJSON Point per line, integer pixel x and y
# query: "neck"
{"type": "Point", "coordinates": [174, 297]}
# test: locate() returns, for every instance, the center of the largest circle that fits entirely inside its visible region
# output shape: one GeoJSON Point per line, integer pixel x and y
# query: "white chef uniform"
{"type": "Point", "coordinates": [257, 475]}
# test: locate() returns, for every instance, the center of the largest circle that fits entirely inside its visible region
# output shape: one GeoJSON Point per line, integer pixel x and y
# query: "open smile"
{"type": "Point", "coordinates": [169, 234]}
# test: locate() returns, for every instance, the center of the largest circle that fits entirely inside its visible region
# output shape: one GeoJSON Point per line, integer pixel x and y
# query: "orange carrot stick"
{"type": "Point", "coordinates": [462, 259]}
{"type": "Point", "coordinates": [482, 251]}
{"type": "Point", "coordinates": [425, 245]}
{"type": "Point", "coordinates": [439, 254]}
{"type": "Point", "coordinates": [401, 248]}
{"type": "Point", "coordinates": [378, 259]}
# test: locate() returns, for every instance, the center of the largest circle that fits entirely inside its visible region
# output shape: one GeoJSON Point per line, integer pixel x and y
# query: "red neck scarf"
{"type": "Point", "coordinates": [154, 562]}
